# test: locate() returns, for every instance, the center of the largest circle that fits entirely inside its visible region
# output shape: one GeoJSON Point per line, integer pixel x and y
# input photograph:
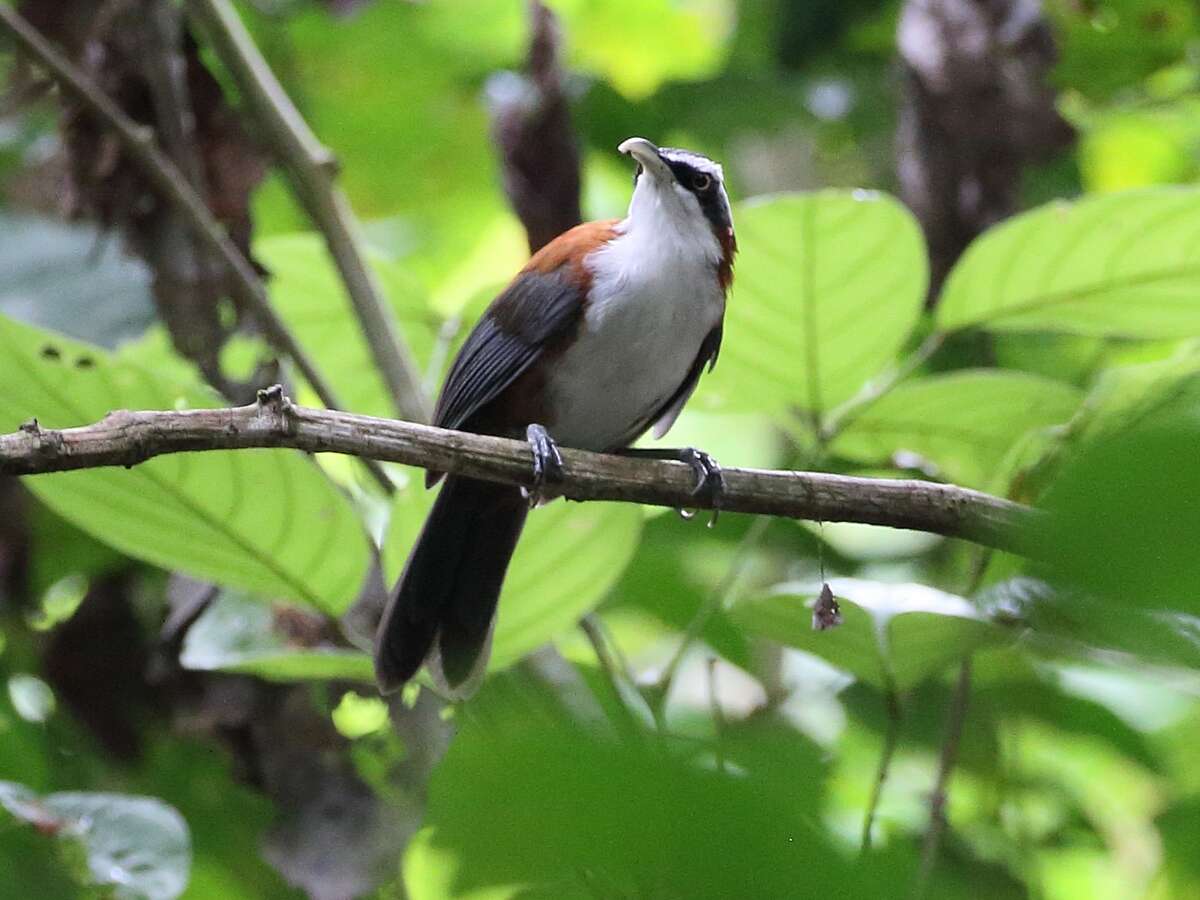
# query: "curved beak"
{"type": "Point", "coordinates": [647, 154]}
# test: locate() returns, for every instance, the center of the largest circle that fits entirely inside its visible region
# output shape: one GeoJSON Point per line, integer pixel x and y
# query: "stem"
{"type": "Point", "coordinates": [955, 717]}
{"type": "Point", "coordinates": [718, 715]}
{"type": "Point", "coordinates": [313, 170]}
{"type": "Point", "coordinates": [591, 628]}
{"type": "Point", "coordinates": [841, 416]}
{"type": "Point", "coordinates": [714, 601]}
{"type": "Point", "coordinates": [937, 801]}
{"type": "Point", "coordinates": [890, 739]}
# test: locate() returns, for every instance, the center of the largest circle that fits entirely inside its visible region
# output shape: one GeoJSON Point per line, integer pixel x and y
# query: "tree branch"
{"type": "Point", "coordinates": [128, 438]}
{"type": "Point", "coordinates": [313, 168]}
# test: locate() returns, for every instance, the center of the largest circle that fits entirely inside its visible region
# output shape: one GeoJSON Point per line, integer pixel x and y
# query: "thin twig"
{"type": "Point", "coordinates": [128, 438]}
{"type": "Point", "coordinates": [313, 170]}
{"type": "Point", "coordinates": [138, 141]}
{"type": "Point", "coordinates": [718, 715]}
{"type": "Point", "coordinates": [715, 600]}
{"type": "Point", "coordinates": [841, 416]}
{"type": "Point", "coordinates": [890, 738]}
{"type": "Point", "coordinates": [591, 629]}
{"type": "Point", "coordinates": [955, 718]}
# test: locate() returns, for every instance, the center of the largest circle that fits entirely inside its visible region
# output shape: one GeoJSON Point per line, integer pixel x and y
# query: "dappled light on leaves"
{"type": "Point", "coordinates": [999, 701]}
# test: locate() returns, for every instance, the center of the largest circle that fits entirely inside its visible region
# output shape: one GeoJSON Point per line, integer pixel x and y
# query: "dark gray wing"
{"type": "Point", "coordinates": [531, 313]}
{"type": "Point", "coordinates": [665, 417]}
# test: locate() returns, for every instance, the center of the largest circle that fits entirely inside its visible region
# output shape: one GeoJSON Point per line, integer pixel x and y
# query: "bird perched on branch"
{"type": "Point", "coordinates": [602, 336]}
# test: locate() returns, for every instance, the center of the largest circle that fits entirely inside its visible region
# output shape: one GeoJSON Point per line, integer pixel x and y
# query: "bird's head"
{"type": "Point", "coordinates": [680, 189]}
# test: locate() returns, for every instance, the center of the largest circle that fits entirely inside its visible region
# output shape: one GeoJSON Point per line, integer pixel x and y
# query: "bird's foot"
{"type": "Point", "coordinates": [547, 464]}
{"type": "Point", "coordinates": [710, 483]}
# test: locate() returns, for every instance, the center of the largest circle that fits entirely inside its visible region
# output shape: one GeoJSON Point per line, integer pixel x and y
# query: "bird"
{"type": "Point", "coordinates": [601, 337]}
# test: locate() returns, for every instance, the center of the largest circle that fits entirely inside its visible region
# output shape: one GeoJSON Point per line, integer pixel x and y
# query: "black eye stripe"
{"type": "Point", "coordinates": [687, 174]}
{"type": "Point", "coordinates": [713, 202]}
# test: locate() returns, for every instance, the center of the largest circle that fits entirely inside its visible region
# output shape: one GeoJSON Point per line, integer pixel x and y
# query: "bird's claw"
{"type": "Point", "coordinates": [710, 482]}
{"type": "Point", "coordinates": [547, 463]}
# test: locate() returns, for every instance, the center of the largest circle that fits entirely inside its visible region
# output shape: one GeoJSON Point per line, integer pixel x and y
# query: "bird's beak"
{"type": "Point", "coordinates": [647, 154]}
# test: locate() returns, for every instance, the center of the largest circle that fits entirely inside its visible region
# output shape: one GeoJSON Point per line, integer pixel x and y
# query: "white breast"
{"type": "Point", "coordinates": [654, 300]}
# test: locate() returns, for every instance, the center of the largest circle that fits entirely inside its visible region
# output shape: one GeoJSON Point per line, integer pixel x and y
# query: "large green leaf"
{"type": "Point", "coordinates": [238, 634]}
{"type": "Point", "coordinates": [891, 636]}
{"type": "Point", "coordinates": [1120, 264]}
{"type": "Point", "coordinates": [307, 291]}
{"type": "Point", "coordinates": [826, 289]}
{"type": "Point", "coordinates": [568, 558]}
{"type": "Point", "coordinates": [265, 520]}
{"type": "Point", "coordinates": [137, 848]}
{"type": "Point", "coordinates": [963, 423]}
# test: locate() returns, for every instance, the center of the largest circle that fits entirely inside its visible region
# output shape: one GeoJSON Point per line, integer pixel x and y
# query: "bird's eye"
{"type": "Point", "coordinates": [637, 174]}
{"type": "Point", "coordinates": [701, 182]}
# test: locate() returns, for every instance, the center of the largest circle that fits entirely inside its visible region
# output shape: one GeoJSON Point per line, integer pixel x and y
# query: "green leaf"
{"type": "Point", "coordinates": [569, 557]}
{"type": "Point", "coordinates": [1156, 636]}
{"type": "Point", "coordinates": [1108, 46]}
{"type": "Point", "coordinates": [673, 573]}
{"type": "Point", "coordinates": [73, 279]}
{"type": "Point", "coordinates": [964, 422]}
{"type": "Point", "coordinates": [639, 44]}
{"type": "Point", "coordinates": [137, 847]}
{"type": "Point", "coordinates": [308, 293]}
{"type": "Point", "coordinates": [891, 636]}
{"type": "Point", "coordinates": [1179, 826]}
{"type": "Point", "coordinates": [746, 440]}
{"type": "Point", "coordinates": [827, 287]}
{"type": "Point", "coordinates": [239, 634]}
{"type": "Point", "coordinates": [1128, 397]}
{"type": "Point", "coordinates": [1125, 523]}
{"type": "Point", "coordinates": [1121, 264]}
{"type": "Point", "coordinates": [267, 521]}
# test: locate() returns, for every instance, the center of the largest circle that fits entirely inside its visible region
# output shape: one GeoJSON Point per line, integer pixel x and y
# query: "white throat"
{"type": "Point", "coordinates": [666, 221]}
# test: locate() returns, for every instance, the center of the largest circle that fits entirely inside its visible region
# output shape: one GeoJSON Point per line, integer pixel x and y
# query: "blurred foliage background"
{"type": "Point", "coordinates": [187, 709]}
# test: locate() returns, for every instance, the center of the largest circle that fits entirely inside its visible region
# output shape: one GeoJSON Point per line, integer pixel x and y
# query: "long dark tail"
{"type": "Point", "coordinates": [447, 594]}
